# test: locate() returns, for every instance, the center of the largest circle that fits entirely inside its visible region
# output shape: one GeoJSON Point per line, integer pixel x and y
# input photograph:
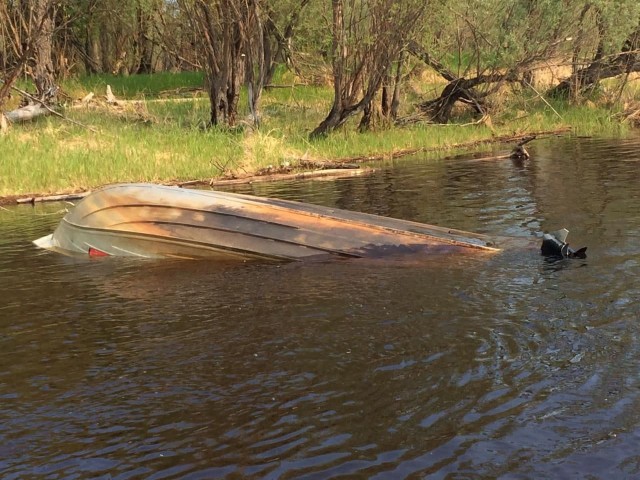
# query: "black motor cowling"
{"type": "Point", "coordinates": [555, 244]}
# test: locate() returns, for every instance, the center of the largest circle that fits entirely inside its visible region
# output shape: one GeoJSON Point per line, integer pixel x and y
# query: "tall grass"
{"type": "Point", "coordinates": [135, 86]}
{"type": "Point", "coordinates": [165, 140]}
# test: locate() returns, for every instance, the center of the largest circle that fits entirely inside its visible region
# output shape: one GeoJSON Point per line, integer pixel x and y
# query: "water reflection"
{"type": "Point", "coordinates": [449, 365]}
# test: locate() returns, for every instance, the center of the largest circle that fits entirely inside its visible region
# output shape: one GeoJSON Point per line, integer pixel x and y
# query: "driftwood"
{"type": "Point", "coordinates": [521, 138]}
{"type": "Point", "coordinates": [314, 164]}
{"type": "Point", "coordinates": [110, 97]}
{"type": "Point", "coordinates": [128, 110]}
{"type": "Point", "coordinates": [181, 91]}
{"type": "Point", "coordinates": [333, 173]}
{"type": "Point", "coordinates": [631, 115]}
{"type": "Point", "coordinates": [294, 176]}
{"type": "Point", "coordinates": [52, 198]}
{"type": "Point", "coordinates": [35, 109]}
{"type": "Point", "coordinates": [25, 114]}
{"type": "Point", "coordinates": [519, 152]}
{"type": "Point", "coordinates": [87, 99]}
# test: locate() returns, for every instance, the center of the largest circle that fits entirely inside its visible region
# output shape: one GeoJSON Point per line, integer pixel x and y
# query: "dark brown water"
{"type": "Point", "coordinates": [510, 366]}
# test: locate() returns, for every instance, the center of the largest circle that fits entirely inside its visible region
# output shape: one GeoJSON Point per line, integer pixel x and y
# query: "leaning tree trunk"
{"type": "Point", "coordinates": [353, 91]}
{"type": "Point", "coordinates": [459, 89]}
{"type": "Point", "coordinates": [360, 67]}
{"type": "Point", "coordinates": [627, 61]}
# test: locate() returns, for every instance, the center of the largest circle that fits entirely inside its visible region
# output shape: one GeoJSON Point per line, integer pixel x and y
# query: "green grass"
{"type": "Point", "coordinates": [135, 86]}
{"type": "Point", "coordinates": [164, 140]}
{"type": "Point", "coordinates": [52, 156]}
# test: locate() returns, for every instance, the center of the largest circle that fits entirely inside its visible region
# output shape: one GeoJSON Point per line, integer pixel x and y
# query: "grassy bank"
{"type": "Point", "coordinates": [163, 139]}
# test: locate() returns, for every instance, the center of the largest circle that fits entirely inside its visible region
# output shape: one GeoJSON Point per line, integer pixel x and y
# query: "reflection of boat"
{"type": "Point", "coordinates": [158, 221]}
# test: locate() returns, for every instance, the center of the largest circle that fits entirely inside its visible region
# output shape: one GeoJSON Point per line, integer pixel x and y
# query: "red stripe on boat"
{"type": "Point", "coordinates": [94, 252]}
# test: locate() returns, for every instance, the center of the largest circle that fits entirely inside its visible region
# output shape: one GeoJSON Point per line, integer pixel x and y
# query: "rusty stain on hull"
{"type": "Point", "coordinates": [148, 220]}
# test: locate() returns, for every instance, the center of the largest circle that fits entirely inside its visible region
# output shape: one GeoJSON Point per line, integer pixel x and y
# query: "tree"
{"type": "Point", "coordinates": [27, 32]}
{"type": "Point", "coordinates": [220, 41]}
{"type": "Point", "coordinates": [478, 46]}
{"type": "Point", "coordinates": [367, 37]}
{"type": "Point", "coordinates": [44, 12]}
{"type": "Point", "coordinates": [615, 51]}
{"type": "Point", "coordinates": [231, 37]}
{"type": "Point", "coordinates": [279, 28]}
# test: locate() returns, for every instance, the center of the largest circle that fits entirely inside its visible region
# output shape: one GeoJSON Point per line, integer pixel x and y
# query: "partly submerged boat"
{"type": "Point", "coordinates": [146, 220]}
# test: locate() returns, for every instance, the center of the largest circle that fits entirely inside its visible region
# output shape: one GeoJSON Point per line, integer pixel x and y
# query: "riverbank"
{"type": "Point", "coordinates": [351, 166]}
{"type": "Point", "coordinates": [157, 134]}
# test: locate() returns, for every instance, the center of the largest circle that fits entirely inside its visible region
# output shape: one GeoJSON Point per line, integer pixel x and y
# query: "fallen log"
{"type": "Point", "coordinates": [334, 173]}
{"type": "Point", "coordinates": [25, 114]}
{"type": "Point", "coordinates": [38, 108]}
{"type": "Point", "coordinates": [316, 165]}
{"type": "Point", "coordinates": [293, 176]}
{"type": "Point", "coordinates": [52, 198]}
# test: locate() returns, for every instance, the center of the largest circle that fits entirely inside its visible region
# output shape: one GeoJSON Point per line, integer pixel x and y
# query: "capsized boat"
{"type": "Point", "coordinates": [147, 220]}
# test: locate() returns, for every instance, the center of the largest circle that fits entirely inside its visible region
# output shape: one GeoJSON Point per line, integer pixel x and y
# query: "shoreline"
{"type": "Point", "coordinates": [272, 176]}
{"type": "Point", "coordinates": [32, 199]}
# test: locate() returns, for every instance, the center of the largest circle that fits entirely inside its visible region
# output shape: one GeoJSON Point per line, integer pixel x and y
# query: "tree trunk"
{"type": "Point", "coordinates": [236, 75]}
{"type": "Point", "coordinates": [364, 48]}
{"type": "Point", "coordinates": [459, 89]}
{"type": "Point", "coordinates": [143, 43]}
{"type": "Point", "coordinates": [395, 100]}
{"type": "Point", "coordinates": [391, 96]}
{"type": "Point", "coordinates": [91, 53]}
{"type": "Point", "coordinates": [231, 34]}
{"type": "Point", "coordinates": [43, 71]}
{"type": "Point", "coordinates": [338, 47]}
{"type": "Point", "coordinates": [282, 41]}
{"type": "Point", "coordinates": [92, 57]}
{"type": "Point", "coordinates": [255, 58]}
{"type": "Point", "coordinates": [627, 61]}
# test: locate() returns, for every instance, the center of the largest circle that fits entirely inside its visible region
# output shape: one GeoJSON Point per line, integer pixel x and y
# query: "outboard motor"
{"type": "Point", "coordinates": [555, 244]}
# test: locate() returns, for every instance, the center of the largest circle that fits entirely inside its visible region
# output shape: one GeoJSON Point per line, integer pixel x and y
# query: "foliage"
{"type": "Point", "coordinates": [235, 44]}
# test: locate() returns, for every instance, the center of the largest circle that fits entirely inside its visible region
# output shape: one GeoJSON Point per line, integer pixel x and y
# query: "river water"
{"type": "Point", "coordinates": [449, 366]}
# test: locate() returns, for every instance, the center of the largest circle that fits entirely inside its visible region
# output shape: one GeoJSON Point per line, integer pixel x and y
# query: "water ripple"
{"type": "Point", "coordinates": [446, 366]}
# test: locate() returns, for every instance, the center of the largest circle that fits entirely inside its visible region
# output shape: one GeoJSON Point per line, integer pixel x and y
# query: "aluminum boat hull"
{"type": "Point", "coordinates": [146, 220]}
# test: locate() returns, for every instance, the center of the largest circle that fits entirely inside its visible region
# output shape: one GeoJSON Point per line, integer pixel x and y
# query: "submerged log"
{"type": "Point", "coordinates": [519, 152]}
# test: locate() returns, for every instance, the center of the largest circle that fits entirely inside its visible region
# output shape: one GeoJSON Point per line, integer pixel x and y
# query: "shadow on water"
{"type": "Point", "coordinates": [506, 365]}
